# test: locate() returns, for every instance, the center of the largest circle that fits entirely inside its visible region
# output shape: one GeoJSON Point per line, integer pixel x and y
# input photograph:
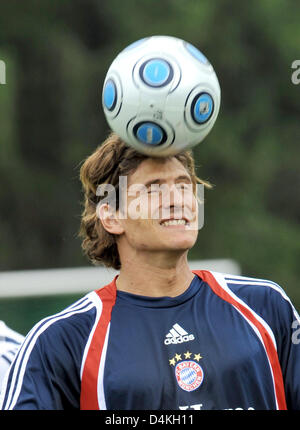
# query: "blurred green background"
{"type": "Point", "coordinates": [57, 54]}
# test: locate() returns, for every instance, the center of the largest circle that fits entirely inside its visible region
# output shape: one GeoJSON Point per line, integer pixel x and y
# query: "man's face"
{"type": "Point", "coordinates": [160, 192]}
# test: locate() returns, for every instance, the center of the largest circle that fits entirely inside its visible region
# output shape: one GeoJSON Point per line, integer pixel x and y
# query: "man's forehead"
{"type": "Point", "coordinates": [152, 168]}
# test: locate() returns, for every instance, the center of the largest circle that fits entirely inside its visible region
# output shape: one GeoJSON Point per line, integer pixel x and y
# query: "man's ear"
{"type": "Point", "coordinates": [109, 219]}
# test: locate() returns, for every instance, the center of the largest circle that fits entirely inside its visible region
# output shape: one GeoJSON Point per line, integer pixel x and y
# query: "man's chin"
{"type": "Point", "coordinates": [180, 244]}
{"type": "Point", "coordinates": [180, 232]}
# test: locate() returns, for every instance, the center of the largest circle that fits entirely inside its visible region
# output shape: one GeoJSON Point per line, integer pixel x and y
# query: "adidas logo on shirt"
{"type": "Point", "coordinates": [177, 335]}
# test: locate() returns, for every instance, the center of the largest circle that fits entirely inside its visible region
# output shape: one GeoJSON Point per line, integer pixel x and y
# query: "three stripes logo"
{"type": "Point", "coordinates": [177, 335]}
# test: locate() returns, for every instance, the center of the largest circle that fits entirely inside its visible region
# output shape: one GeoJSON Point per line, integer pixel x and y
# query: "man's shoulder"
{"type": "Point", "coordinates": [264, 296]}
{"type": "Point", "coordinates": [73, 321]}
{"type": "Point", "coordinates": [253, 286]}
{"type": "Point", "coordinates": [237, 285]}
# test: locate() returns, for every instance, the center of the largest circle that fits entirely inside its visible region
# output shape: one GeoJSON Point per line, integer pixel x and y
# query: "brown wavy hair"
{"type": "Point", "coordinates": [110, 160]}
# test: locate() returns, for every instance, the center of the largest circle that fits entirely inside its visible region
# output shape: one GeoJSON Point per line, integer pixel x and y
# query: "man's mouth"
{"type": "Point", "coordinates": [174, 222]}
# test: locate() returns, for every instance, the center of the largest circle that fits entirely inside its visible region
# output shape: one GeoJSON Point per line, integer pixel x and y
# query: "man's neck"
{"type": "Point", "coordinates": [155, 280]}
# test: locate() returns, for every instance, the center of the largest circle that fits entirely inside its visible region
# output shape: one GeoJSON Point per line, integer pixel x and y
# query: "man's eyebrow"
{"type": "Point", "coordinates": [161, 181]}
{"type": "Point", "coordinates": [153, 181]}
{"type": "Point", "coordinates": [183, 178]}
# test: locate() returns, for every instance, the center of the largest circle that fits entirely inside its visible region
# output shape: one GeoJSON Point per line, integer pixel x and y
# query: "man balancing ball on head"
{"type": "Point", "coordinates": [159, 336]}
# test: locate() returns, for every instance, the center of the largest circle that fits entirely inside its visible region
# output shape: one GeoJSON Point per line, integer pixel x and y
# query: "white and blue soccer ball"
{"type": "Point", "coordinates": [161, 95]}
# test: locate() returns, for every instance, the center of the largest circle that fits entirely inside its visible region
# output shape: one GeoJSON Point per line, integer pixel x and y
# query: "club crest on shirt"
{"type": "Point", "coordinates": [188, 373]}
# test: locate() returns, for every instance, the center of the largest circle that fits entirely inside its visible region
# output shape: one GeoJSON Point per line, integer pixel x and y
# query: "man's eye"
{"type": "Point", "coordinates": [154, 189]}
{"type": "Point", "coordinates": [184, 186]}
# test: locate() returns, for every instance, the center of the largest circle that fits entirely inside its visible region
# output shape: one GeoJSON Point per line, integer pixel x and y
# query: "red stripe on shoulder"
{"type": "Point", "coordinates": [89, 382]}
{"type": "Point", "coordinates": [207, 277]}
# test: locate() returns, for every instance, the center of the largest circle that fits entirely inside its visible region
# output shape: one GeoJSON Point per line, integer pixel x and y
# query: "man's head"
{"type": "Point", "coordinates": [156, 191]}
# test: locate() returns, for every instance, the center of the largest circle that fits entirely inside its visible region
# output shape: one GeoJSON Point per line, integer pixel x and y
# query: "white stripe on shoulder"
{"type": "Point", "coordinates": [100, 381]}
{"type": "Point", "coordinates": [18, 370]}
{"type": "Point", "coordinates": [221, 279]}
{"type": "Point", "coordinates": [98, 304]}
{"type": "Point", "coordinates": [242, 280]}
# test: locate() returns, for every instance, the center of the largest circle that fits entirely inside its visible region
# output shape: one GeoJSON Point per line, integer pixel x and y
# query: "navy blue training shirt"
{"type": "Point", "coordinates": [227, 342]}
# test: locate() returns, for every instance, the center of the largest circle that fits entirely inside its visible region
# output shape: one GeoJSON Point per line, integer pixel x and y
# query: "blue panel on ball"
{"type": "Point", "coordinates": [196, 53]}
{"type": "Point", "coordinates": [149, 133]}
{"type": "Point", "coordinates": [202, 108]}
{"type": "Point", "coordinates": [110, 95]}
{"type": "Point", "coordinates": [156, 72]}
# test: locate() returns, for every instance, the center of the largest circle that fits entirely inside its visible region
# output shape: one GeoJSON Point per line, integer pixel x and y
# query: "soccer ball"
{"type": "Point", "coordinates": [161, 96]}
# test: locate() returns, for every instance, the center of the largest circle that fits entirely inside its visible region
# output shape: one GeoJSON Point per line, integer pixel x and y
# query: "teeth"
{"type": "Point", "coordinates": [174, 222]}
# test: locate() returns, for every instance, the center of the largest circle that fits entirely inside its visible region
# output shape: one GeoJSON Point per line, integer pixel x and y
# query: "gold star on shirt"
{"type": "Point", "coordinates": [178, 357]}
{"type": "Point", "coordinates": [187, 354]}
{"type": "Point", "coordinates": [197, 357]}
{"type": "Point", "coordinates": [172, 362]}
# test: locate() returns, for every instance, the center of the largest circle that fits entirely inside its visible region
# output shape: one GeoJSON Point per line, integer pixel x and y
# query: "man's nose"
{"type": "Point", "coordinates": [172, 196]}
